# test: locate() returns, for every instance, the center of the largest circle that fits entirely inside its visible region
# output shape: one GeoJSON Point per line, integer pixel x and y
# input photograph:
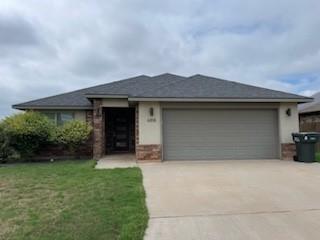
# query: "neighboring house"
{"type": "Point", "coordinates": [170, 117]}
{"type": "Point", "coordinates": [309, 114]}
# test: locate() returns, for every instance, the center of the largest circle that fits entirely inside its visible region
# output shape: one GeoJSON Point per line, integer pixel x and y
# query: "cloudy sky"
{"type": "Point", "coordinates": [48, 47]}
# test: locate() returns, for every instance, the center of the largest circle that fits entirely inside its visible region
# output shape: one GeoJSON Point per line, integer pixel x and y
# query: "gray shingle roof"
{"type": "Point", "coordinates": [162, 86]}
{"type": "Point", "coordinates": [311, 106]}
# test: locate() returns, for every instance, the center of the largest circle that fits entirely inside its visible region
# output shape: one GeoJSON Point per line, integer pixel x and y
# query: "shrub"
{"type": "Point", "coordinates": [73, 134]}
{"type": "Point", "coordinates": [7, 152]}
{"type": "Point", "coordinates": [28, 132]}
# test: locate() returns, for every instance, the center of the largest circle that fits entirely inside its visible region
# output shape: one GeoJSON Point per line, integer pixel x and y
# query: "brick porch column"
{"type": "Point", "coordinates": [98, 129]}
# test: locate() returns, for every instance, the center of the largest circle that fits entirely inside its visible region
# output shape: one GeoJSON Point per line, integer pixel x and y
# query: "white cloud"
{"type": "Point", "coordinates": [308, 93]}
{"type": "Point", "coordinates": [65, 45]}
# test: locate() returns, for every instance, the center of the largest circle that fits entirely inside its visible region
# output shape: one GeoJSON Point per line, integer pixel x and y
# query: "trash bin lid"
{"type": "Point", "coordinates": [306, 137]}
{"type": "Point", "coordinates": [311, 133]}
{"type": "Point", "coordinates": [306, 134]}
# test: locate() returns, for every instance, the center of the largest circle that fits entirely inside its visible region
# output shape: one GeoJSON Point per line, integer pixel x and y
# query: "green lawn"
{"type": "Point", "coordinates": [318, 156]}
{"type": "Point", "coordinates": [71, 200]}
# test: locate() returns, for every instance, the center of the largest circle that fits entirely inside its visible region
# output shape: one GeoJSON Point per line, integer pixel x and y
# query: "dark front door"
{"type": "Point", "coordinates": [120, 129]}
{"type": "Point", "coordinates": [121, 133]}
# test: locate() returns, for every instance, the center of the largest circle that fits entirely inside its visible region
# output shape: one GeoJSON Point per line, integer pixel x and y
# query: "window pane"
{"type": "Point", "coordinates": [51, 116]}
{"type": "Point", "coordinates": [64, 117]}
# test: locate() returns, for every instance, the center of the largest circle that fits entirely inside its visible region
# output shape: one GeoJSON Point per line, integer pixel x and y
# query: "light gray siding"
{"type": "Point", "coordinates": [198, 134]}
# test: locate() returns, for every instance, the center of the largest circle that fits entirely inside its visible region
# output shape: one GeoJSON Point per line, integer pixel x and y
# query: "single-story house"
{"type": "Point", "coordinates": [171, 117]}
{"type": "Point", "coordinates": [309, 114]}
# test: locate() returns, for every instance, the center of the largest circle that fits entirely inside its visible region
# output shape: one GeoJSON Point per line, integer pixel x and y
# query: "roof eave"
{"type": "Point", "coordinates": [310, 110]}
{"type": "Point", "coordinates": [153, 99]}
{"type": "Point", "coordinates": [89, 95]}
{"type": "Point", "coordinates": [30, 107]}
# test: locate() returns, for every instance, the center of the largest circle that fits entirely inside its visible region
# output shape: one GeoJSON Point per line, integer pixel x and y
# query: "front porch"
{"type": "Point", "coordinates": [122, 127]}
{"type": "Point", "coordinates": [114, 130]}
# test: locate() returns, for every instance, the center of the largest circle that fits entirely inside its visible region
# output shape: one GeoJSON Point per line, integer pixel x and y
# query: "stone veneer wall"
{"type": "Point", "coordinates": [89, 117]}
{"type": "Point", "coordinates": [288, 151]}
{"type": "Point", "coordinates": [98, 121]}
{"type": "Point", "coordinates": [149, 152]}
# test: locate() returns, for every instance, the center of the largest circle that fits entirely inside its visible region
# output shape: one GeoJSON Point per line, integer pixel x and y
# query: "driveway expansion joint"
{"type": "Point", "coordinates": [236, 214]}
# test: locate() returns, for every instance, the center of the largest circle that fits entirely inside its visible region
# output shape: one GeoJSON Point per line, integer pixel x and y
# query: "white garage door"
{"type": "Point", "coordinates": [199, 134]}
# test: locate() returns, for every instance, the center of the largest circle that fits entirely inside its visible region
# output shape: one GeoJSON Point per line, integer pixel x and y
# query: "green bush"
{"type": "Point", "coordinates": [73, 134]}
{"type": "Point", "coordinates": [7, 152]}
{"type": "Point", "coordinates": [22, 135]}
{"type": "Point", "coordinates": [28, 132]}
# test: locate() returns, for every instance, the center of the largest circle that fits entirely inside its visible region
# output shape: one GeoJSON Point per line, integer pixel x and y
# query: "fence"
{"type": "Point", "coordinates": [311, 127]}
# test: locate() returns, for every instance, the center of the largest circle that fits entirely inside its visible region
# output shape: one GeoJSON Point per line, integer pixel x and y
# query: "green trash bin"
{"type": "Point", "coordinates": [305, 145]}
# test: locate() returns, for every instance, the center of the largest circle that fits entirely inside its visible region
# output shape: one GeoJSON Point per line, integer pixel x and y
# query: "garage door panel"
{"type": "Point", "coordinates": [219, 134]}
{"type": "Point", "coordinates": [213, 134]}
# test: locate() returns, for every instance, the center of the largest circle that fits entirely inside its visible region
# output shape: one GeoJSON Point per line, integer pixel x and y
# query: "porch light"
{"type": "Point", "coordinates": [288, 112]}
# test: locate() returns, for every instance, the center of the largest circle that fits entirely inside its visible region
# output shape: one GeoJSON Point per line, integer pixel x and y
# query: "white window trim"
{"type": "Point", "coordinates": [56, 114]}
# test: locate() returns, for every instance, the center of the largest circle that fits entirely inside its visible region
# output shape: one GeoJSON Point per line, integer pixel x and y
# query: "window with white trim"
{"type": "Point", "coordinates": [59, 118]}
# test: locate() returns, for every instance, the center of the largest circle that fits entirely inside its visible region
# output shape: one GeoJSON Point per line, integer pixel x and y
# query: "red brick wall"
{"type": "Point", "coordinates": [62, 152]}
{"type": "Point", "coordinates": [89, 117]}
{"type": "Point", "coordinates": [150, 152]}
{"type": "Point", "coordinates": [98, 129]}
{"type": "Point", "coordinates": [288, 151]}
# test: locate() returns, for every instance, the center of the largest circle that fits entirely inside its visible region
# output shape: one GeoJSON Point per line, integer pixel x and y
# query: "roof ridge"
{"type": "Point", "coordinates": [248, 85]}
{"type": "Point", "coordinates": [167, 73]}
{"type": "Point", "coordinates": [166, 85]}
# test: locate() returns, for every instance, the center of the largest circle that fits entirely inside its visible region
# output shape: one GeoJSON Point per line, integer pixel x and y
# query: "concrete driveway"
{"type": "Point", "coordinates": [255, 199]}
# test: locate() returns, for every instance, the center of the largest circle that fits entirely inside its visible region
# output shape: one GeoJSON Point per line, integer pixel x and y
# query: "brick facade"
{"type": "Point", "coordinates": [309, 118]}
{"type": "Point", "coordinates": [55, 151]}
{"type": "Point", "coordinates": [288, 151]}
{"type": "Point", "coordinates": [89, 117]}
{"type": "Point", "coordinates": [98, 120]}
{"type": "Point", "coordinates": [149, 152]}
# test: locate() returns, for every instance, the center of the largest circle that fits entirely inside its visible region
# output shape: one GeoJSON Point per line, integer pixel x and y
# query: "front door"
{"type": "Point", "coordinates": [121, 133]}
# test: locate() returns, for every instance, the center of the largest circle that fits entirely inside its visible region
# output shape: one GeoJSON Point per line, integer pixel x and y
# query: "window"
{"type": "Point", "coordinates": [51, 116]}
{"type": "Point", "coordinates": [62, 118]}
{"type": "Point", "coordinates": [59, 118]}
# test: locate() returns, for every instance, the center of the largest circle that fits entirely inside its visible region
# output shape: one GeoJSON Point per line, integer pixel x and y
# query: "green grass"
{"type": "Point", "coordinates": [71, 200]}
{"type": "Point", "coordinates": [318, 156]}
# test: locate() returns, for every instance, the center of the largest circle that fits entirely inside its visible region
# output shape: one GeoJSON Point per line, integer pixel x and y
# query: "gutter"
{"type": "Point", "coordinates": [51, 107]}
{"type": "Point", "coordinates": [151, 99]}
{"type": "Point", "coordinates": [105, 96]}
